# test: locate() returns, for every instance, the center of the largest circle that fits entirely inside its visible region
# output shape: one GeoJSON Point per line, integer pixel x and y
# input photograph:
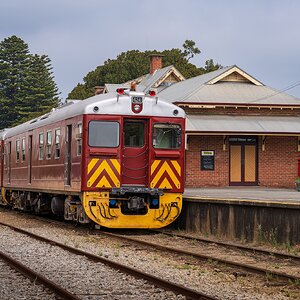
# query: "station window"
{"type": "Point", "coordinates": [104, 134]}
{"type": "Point", "coordinates": [166, 136]}
{"type": "Point", "coordinates": [49, 144]}
{"type": "Point", "coordinates": [23, 149]}
{"type": "Point", "coordinates": [41, 146]}
{"type": "Point", "coordinates": [79, 139]}
{"type": "Point", "coordinates": [17, 150]}
{"type": "Point", "coordinates": [57, 143]}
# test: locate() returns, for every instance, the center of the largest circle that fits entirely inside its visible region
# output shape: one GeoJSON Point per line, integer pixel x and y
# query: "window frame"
{"type": "Point", "coordinates": [57, 144]}
{"type": "Point", "coordinates": [18, 144]}
{"type": "Point", "coordinates": [23, 149]}
{"type": "Point", "coordinates": [171, 124]}
{"type": "Point", "coordinates": [106, 121]}
{"type": "Point", "coordinates": [49, 145]}
{"type": "Point", "coordinates": [41, 146]}
{"type": "Point", "coordinates": [144, 140]}
{"type": "Point", "coordinates": [79, 139]}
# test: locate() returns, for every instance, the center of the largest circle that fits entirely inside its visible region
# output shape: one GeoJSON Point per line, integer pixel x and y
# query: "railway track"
{"type": "Point", "coordinates": [177, 289]}
{"type": "Point", "coordinates": [244, 266]}
{"type": "Point", "coordinates": [37, 277]}
{"type": "Point", "coordinates": [231, 245]}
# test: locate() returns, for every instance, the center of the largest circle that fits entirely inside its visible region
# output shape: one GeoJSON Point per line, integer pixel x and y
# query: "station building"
{"type": "Point", "coordinates": [239, 132]}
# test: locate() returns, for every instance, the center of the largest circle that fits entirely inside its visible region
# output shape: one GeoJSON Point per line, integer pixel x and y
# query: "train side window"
{"type": "Point", "coordinates": [17, 150]}
{"type": "Point", "coordinates": [23, 149]}
{"type": "Point", "coordinates": [166, 136]}
{"type": "Point", "coordinates": [104, 134]}
{"type": "Point", "coordinates": [79, 138]}
{"type": "Point", "coordinates": [49, 144]}
{"type": "Point", "coordinates": [57, 143]}
{"type": "Point", "coordinates": [41, 146]}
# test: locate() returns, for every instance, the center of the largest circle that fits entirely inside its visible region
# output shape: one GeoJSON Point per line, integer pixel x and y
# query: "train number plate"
{"type": "Point", "coordinates": [136, 99]}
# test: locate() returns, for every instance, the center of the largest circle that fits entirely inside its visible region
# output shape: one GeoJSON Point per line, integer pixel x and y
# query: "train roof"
{"type": "Point", "coordinates": [103, 104]}
{"type": "Point", "coordinates": [2, 134]}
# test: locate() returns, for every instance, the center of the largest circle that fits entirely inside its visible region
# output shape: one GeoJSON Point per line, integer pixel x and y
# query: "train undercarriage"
{"type": "Point", "coordinates": [125, 207]}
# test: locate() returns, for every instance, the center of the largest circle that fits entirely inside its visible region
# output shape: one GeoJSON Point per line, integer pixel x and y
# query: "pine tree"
{"type": "Point", "coordinates": [14, 58]}
{"type": "Point", "coordinates": [27, 87]}
{"type": "Point", "coordinates": [39, 93]}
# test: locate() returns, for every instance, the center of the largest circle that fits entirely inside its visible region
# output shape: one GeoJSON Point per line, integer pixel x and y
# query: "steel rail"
{"type": "Point", "coordinates": [231, 245]}
{"type": "Point", "coordinates": [31, 274]}
{"type": "Point", "coordinates": [247, 267]}
{"type": "Point", "coordinates": [176, 288]}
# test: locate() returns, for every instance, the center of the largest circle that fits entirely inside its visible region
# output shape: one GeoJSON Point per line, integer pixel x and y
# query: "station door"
{"type": "Point", "coordinates": [243, 161]}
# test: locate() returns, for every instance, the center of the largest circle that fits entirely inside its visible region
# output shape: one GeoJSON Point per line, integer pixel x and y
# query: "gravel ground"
{"type": "Point", "coordinates": [205, 277]}
{"type": "Point", "coordinates": [13, 286]}
{"type": "Point", "coordinates": [79, 275]}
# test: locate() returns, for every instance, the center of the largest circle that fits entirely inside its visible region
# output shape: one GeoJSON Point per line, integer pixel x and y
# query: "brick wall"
{"type": "Point", "coordinates": [278, 164]}
{"type": "Point", "coordinates": [194, 176]}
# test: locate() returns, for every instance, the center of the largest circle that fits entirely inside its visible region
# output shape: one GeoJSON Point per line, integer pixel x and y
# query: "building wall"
{"type": "Point", "coordinates": [277, 165]}
{"type": "Point", "coordinates": [194, 176]}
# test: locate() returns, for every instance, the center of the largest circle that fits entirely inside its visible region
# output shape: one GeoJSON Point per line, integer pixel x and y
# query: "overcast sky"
{"type": "Point", "coordinates": [260, 36]}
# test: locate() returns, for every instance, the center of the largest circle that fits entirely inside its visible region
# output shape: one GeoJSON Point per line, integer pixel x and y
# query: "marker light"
{"type": "Point", "coordinates": [120, 91]}
{"type": "Point", "coordinates": [152, 93]}
{"type": "Point", "coordinates": [113, 203]}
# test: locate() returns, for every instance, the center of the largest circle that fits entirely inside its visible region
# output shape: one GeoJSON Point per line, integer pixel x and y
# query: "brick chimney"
{"type": "Point", "coordinates": [155, 62]}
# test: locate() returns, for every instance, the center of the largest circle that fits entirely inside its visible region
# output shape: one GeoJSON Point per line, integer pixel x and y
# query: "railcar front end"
{"type": "Point", "coordinates": [133, 174]}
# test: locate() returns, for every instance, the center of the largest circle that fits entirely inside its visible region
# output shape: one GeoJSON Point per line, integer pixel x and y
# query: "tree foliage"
{"type": "Point", "coordinates": [190, 49]}
{"type": "Point", "coordinates": [27, 87]}
{"type": "Point", "coordinates": [134, 63]}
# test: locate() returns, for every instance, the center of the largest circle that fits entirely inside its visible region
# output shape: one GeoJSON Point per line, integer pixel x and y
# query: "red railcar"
{"type": "Point", "coordinates": [113, 159]}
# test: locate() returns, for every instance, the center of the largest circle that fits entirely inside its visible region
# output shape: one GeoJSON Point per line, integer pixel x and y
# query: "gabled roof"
{"type": "Point", "coordinates": [229, 85]}
{"type": "Point", "coordinates": [148, 81]}
{"type": "Point", "coordinates": [154, 80]}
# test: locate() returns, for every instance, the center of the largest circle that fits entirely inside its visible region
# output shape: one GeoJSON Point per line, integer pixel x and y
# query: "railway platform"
{"type": "Point", "coordinates": [251, 214]}
{"type": "Point", "coordinates": [246, 195]}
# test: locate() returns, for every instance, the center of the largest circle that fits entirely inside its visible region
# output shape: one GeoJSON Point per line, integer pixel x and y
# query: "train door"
{"type": "Point", "coordinates": [68, 155]}
{"type": "Point", "coordinates": [29, 159]}
{"type": "Point", "coordinates": [135, 152]}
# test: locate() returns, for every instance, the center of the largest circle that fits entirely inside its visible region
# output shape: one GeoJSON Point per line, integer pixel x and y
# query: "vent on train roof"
{"type": "Point", "coordinates": [33, 121]}
{"type": "Point", "coordinates": [45, 117]}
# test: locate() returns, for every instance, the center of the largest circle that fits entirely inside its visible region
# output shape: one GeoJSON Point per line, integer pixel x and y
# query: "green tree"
{"type": "Point", "coordinates": [27, 87]}
{"type": "Point", "coordinates": [14, 59]}
{"type": "Point", "coordinates": [190, 49]}
{"type": "Point", "coordinates": [39, 92]}
{"type": "Point", "coordinates": [133, 64]}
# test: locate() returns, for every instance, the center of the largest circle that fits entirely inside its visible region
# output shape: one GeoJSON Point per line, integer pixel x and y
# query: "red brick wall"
{"type": "Point", "coordinates": [278, 165]}
{"type": "Point", "coordinates": [194, 176]}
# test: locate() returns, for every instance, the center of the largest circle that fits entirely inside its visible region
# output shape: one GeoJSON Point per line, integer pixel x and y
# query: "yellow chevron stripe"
{"type": "Point", "coordinates": [154, 166]}
{"type": "Point", "coordinates": [92, 164]}
{"type": "Point", "coordinates": [103, 183]}
{"type": "Point", "coordinates": [165, 168]}
{"type": "Point", "coordinates": [176, 166]}
{"type": "Point", "coordinates": [165, 184]}
{"type": "Point", "coordinates": [104, 166]}
{"type": "Point", "coordinates": [116, 165]}
{"type": "Point", "coordinates": [112, 175]}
